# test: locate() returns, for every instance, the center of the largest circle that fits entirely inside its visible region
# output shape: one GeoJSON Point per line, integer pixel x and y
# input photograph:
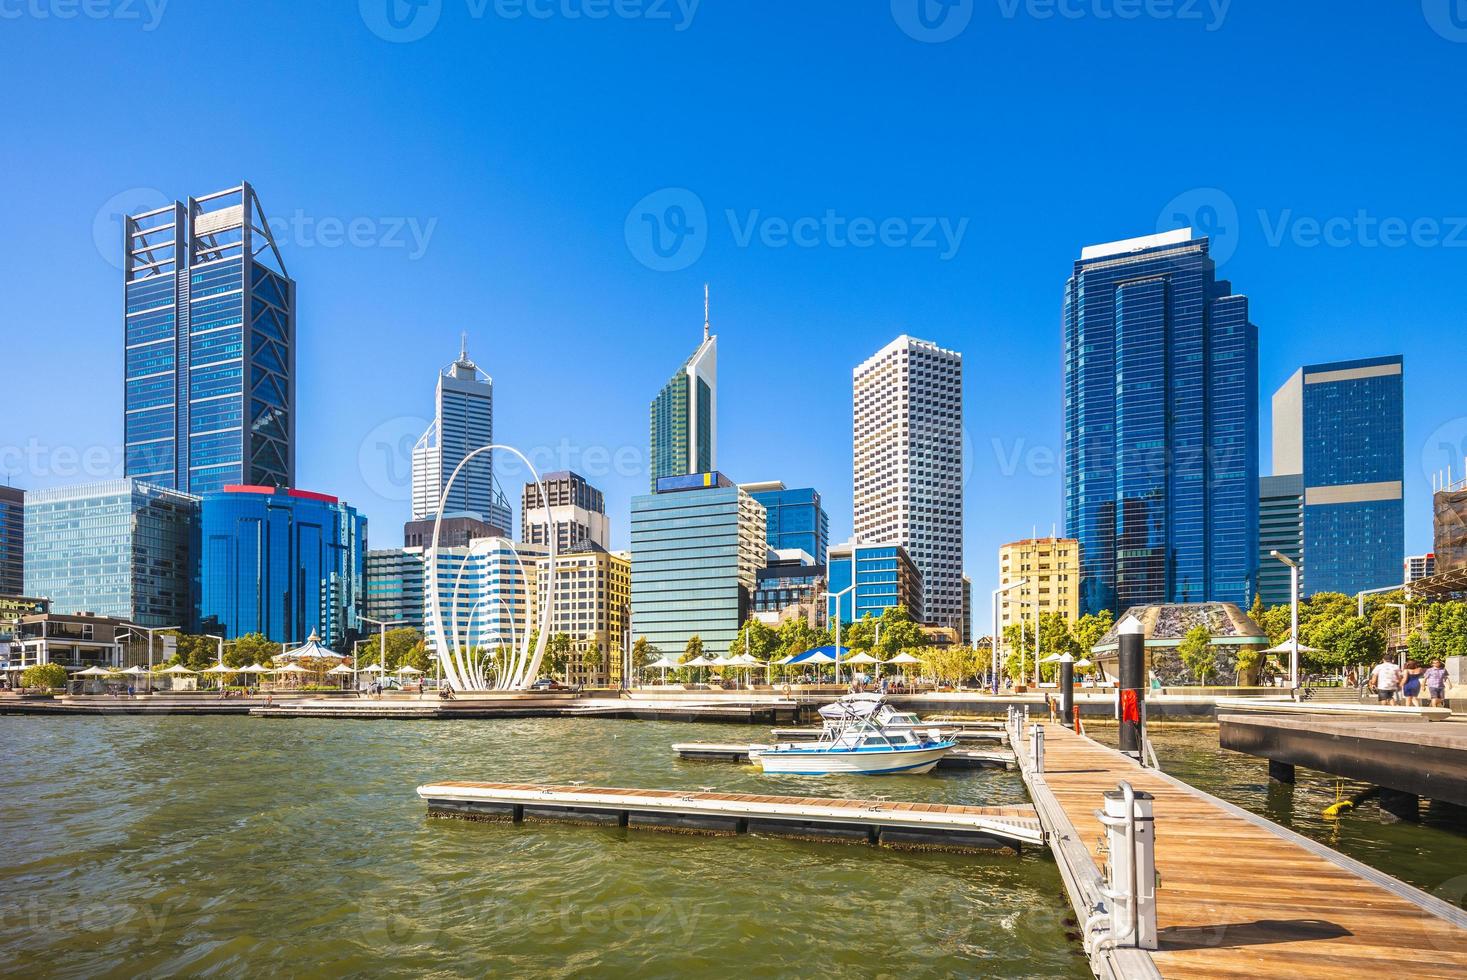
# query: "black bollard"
{"type": "Point", "coordinates": [1132, 673]}
{"type": "Point", "coordinates": [1067, 687]}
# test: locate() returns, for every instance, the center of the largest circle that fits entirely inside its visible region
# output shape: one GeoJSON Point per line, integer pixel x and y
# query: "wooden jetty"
{"type": "Point", "coordinates": [1239, 896]}
{"type": "Point", "coordinates": [740, 752]}
{"type": "Point", "coordinates": [1408, 760]}
{"type": "Point", "coordinates": [880, 822]}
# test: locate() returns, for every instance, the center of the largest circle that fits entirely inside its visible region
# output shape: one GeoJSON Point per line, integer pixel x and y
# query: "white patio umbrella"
{"type": "Point", "coordinates": [904, 658]}
{"type": "Point", "coordinates": [407, 669]}
{"type": "Point", "coordinates": [372, 669]}
{"type": "Point", "coordinates": [341, 669]}
{"type": "Point", "coordinates": [93, 672]}
{"type": "Point", "coordinates": [289, 669]}
{"type": "Point", "coordinates": [220, 670]}
{"type": "Point", "coordinates": [136, 671]}
{"type": "Point", "coordinates": [177, 669]}
{"type": "Point", "coordinates": [862, 658]}
{"type": "Point", "coordinates": [664, 663]}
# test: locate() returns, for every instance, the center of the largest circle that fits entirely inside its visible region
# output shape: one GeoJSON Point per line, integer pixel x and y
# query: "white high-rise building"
{"type": "Point", "coordinates": [463, 420]}
{"type": "Point", "coordinates": [908, 465]}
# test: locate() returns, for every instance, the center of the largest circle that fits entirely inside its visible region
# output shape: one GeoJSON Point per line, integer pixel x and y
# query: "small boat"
{"type": "Point", "coordinates": [855, 741]}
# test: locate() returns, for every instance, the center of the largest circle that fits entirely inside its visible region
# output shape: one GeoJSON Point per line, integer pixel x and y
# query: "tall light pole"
{"type": "Point", "coordinates": [993, 667]}
{"type": "Point", "coordinates": [837, 597]}
{"type": "Point", "coordinates": [1293, 618]}
{"type": "Point", "coordinates": [150, 630]}
{"type": "Point", "coordinates": [382, 644]}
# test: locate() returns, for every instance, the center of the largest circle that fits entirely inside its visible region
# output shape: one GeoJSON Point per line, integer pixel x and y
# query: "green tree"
{"type": "Point", "coordinates": [694, 648]}
{"type": "Point", "coordinates": [400, 645]}
{"type": "Point", "coordinates": [1417, 649]}
{"type": "Point", "coordinates": [796, 636]}
{"type": "Point", "coordinates": [1197, 653]}
{"type": "Point", "coordinates": [43, 675]}
{"type": "Point", "coordinates": [558, 651]}
{"type": "Point", "coordinates": [1090, 629]}
{"type": "Point", "coordinates": [1446, 629]}
{"type": "Point", "coordinates": [1341, 640]}
{"type": "Point", "coordinates": [643, 652]}
{"type": "Point", "coordinates": [1248, 660]}
{"type": "Point", "coordinates": [758, 639]}
{"type": "Point", "coordinates": [1256, 613]}
{"type": "Point", "coordinates": [252, 648]}
{"type": "Point", "coordinates": [949, 664]}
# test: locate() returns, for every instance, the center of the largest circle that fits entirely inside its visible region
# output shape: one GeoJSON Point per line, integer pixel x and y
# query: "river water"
{"type": "Point", "coordinates": [227, 846]}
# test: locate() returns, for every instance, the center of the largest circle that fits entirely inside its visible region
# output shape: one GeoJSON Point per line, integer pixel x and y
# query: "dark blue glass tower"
{"type": "Point", "coordinates": [1342, 427]}
{"type": "Point", "coordinates": [209, 327]}
{"type": "Point", "coordinates": [1161, 426]}
{"type": "Point", "coordinates": [796, 519]}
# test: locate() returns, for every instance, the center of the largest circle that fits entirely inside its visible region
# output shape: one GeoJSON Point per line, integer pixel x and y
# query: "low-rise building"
{"type": "Point", "coordinates": [1050, 569]}
{"type": "Point", "coordinates": [790, 586]}
{"type": "Point", "coordinates": [73, 640]}
{"type": "Point", "coordinates": [1419, 567]}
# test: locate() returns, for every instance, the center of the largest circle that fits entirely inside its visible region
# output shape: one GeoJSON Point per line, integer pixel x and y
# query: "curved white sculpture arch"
{"type": "Point", "coordinates": [460, 667]}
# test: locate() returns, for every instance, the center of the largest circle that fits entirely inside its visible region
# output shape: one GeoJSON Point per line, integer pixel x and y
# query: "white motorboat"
{"type": "Point", "coordinates": [854, 741]}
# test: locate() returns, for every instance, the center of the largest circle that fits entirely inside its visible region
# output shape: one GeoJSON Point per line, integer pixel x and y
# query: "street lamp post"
{"type": "Point", "coordinates": [1293, 618]}
{"type": "Point", "coordinates": [994, 648]}
{"type": "Point", "coordinates": [837, 597]}
{"type": "Point", "coordinates": [150, 630]}
{"type": "Point", "coordinates": [382, 645]}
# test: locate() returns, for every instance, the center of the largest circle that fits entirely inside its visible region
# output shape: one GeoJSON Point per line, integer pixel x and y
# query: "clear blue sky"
{"type": "Point", "coordinates": [519, 147]}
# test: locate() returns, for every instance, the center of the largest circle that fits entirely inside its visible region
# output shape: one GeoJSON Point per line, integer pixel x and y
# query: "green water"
{"type": "Point", "coordinates": [234, 846]}
{"type": "Point", "coordinates": [1432, 854]}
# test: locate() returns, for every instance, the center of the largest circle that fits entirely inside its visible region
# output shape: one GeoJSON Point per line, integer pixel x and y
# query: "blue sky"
{"type": "Point", "coordinates": [492, 173]}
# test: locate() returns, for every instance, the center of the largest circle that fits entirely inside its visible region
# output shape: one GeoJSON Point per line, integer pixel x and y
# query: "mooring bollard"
{"type": "Point", "coordinates": [1036, 747]}
{"type": "Point", "coordinates": [1131, 866]}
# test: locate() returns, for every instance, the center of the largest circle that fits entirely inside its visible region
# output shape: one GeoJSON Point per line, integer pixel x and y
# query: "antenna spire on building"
{"type": "Point", "coordinates": [463, 346]}
{"type": "Point", "coordinates": [705, 311]}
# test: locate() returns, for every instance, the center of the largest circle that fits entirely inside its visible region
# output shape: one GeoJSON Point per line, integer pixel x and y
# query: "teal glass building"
{"type": "Point", "coordinates": [12, 541]}
{"type": "Point", "coordinates": [209, 340]}
{"type": "Point", "coordinates": [1161, 426]}
{"type": "Point", "coordinates": [684, 417]}
{"type": "Point", "coordinates": [285, 563]}
{"type": "Point", "coordinates": [394, 586]}
{"type": "Point", "coordinates": [121, 548]}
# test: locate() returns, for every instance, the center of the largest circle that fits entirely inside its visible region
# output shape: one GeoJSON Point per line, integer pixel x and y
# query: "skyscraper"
{"type": "Point", "coordinates": [1341, 427]}
{"type": "Point", "coordinates": [684, 415]}
{"type": "Point", "coordinates": [1281, 529]}
{"type": "Point", "coordinates": [796, 519]}
{"type": "Point", "coordinates": [463, 421]}
{"type": "Point", "coordinates": [1161, 426]}
{"type": "Point", "coordinates": [577, 509]}
{"type": "Point", "coordinates": [12, 541]}
{"type": "Point", "coordinates": [908, 465]}
{"type": "Point", "coordinates": [209, 336]}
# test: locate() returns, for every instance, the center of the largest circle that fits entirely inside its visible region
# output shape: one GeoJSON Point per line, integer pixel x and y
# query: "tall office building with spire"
{"type": "Point", "coordinates": [463, 420]}
{"type": "Point", "coordinates": [684, 415]}
{"type": "Point", "coordinates": [908, 466]}
{"type": "Point", "coordinates": [209, 342]}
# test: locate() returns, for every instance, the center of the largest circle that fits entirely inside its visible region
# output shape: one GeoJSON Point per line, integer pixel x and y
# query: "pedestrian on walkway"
{"type": "Point", "coordinates": [1411, 683]}
{"type": "Point", "coordinates": [1385, 680]}
{"type": "Point", "coordinates": [1435, 680]}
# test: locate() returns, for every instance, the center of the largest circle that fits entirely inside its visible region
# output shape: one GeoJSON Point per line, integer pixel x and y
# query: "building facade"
{"type": "Point", "coordinates": [456, 531]}
{"type": "Point", "coordinates": [697, 547]}
{"type": "Point", "coordinates": [463, 421]}
{"type": "Point", "coordinates": [884, 575]}
{"type": "Point", "coordinates": [393, 591]}
{"type": "Point", "coordinates": [796, 518]}
{"type": "Point", "coordinates": [791, 585]}
{"type": "Point", "coordinates": [1161, 426]}
{"type": "Point", "coordinates": [12, 540]}
{"type": "Point", "coordinates": [1050, 567]}
{"type": "Point", "coordinates": [577, 512]}
{"type": "Point", "coordinates": [1418, 567]}
{"type": "Point", "coordinates": [1281, 529]}
{"type": "Point", "coordinates": [684, 415]}
{"type": "Point", "coordinates": [74, 641]}
{"type": "Point", "coordinates": [485, 594]}
{"type": "Point", "coordinates": [284, 563]}
{"type": "Point", "coordinates": [121, 549]}
{"type": "Point", "coordinates": [908, 465]}
{"type": "Point", "coordinates": [1449, 523]}
{"type": "Point", "coordinates": [210, 346]}
{"type": "Point", "coordinates": [592, 608]}
{"type": "Point", "coordinates": [1341, 426]}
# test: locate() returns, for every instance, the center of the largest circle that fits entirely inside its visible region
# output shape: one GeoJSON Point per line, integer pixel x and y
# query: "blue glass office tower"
{"type": "Point", "coordinates": [1341, 426]}
{"type": "Point", "coordinates": [796, 519]}
{"type": "Point", "coordinates": [884, 576]}
{"type": "Point", "coordinates": [1161, 426]}
{"type": "Point", "coordinates": [209, 334]}
{"type": "Point", "coordinates": [285, 563]}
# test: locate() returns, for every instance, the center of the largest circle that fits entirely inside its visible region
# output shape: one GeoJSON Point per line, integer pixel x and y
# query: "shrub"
{"type": "Point", "coordinates": [44, 675]}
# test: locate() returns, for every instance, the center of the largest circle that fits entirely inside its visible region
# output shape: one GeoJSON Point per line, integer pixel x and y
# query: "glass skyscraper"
{"type": "Point", "coordinates": [1341, 428]}
{"type": "Point", "coordinates": [796, 519]}
{"type": "Point", "coordinates": [684, 415]}
{"type": "Point", "coordinates": [1281, 529]}
{"type": "Point", "coordinates": [1161, 426]}
{"type": "Point", "coordinates": [12, 541]}
{"type": "Point", "coordinates": [463, 421]}
{"type": "Point", "coordinates": [209, 335]}
{"type": "Point", "coordinates": [697, 546]}
{"type": "Point", "coordinates": [884, 577]}
{"type": "Point", "coordinates": [285, 563]}
{"type": "Point", "coordinates": [121, 548]}
{"type": "Point", "coordinates": [394, 586]}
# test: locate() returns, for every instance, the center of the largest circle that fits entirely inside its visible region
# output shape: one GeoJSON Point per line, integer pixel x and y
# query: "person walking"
{"type": "Point", "coordinates": [1411, 685]}
{"type": "Point", "coordinates": [1435, 680]}
{"type": "Point", "coordinates": [1385, 680]}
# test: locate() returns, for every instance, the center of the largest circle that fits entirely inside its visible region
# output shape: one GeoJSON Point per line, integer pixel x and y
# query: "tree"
{"type": "Point", "coordinates": [949, 664]}
{"type": "Point", "coordinates": [558, 655]}
{"type": "Point", "coordinates": [694, 647]}
{"type": "Point", "coordinates": [1090, 630]}
{"type": "Point", "coordinates": [1256, 613]}
{"type": "Point", "coordinates": [796, 636]}
{"type": "Point", "coordinates": [759, 640]}
{"type": "Point", "coordinates": [43, 675]}
{"type": "Point", "coordinates": [1248, 660]}
{"type": "Point", "coordinates": [1197, 653]}
{"type": "Point", "coordinates": [1342, 640]}
{"type": "Point", "coordinates": [899, 632]}
{"type": "Point", "coordinates": [252, 648]}
{"type": "Point", "coordinates": [1446, 629]}
{"type": "Point", "coordinates": [643, 653]}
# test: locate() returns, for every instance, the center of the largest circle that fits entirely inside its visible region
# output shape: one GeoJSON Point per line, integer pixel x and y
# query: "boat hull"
{"type": "Point", "coordinates": [822, 762]}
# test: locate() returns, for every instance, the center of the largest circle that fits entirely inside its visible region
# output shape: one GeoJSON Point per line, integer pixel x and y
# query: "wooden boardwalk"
{"type": "Point", "coordinates": [869, 821]}
{"type": "Point", "coordinates": [1240, 896]}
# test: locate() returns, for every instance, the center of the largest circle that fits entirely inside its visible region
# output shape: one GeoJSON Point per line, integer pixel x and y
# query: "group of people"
{"type": "Point", "coordinates": [1391, 682]}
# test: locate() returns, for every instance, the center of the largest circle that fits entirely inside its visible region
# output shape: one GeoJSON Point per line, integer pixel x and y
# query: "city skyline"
{"type": "Point", "coordinates": [539, 255]}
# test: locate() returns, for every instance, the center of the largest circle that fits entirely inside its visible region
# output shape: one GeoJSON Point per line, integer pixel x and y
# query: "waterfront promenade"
{"type": "Point", "coordinates": [1240, 896]}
